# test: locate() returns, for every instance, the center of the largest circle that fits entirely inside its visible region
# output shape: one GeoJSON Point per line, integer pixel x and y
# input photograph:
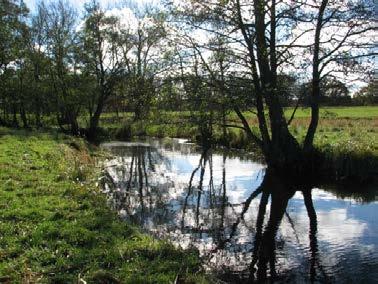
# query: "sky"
{"type": "Point", "coordinates": [119, 8]}
{"type": "Point", "coordinates": [79, 4]}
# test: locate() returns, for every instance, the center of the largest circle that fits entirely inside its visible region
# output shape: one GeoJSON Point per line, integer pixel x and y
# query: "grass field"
{"type": "Point", "coordinates": [341, 112]}
{"type": "Point", "coordinates": [338, 126]}
{"type": "Point", "coordinates": [56, 227]}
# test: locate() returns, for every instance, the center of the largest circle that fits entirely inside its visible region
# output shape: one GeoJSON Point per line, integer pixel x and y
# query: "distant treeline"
{"type": "Point", "coordinates": [61, 69]}
{"type": "Point", "coordinates": [171, 96]}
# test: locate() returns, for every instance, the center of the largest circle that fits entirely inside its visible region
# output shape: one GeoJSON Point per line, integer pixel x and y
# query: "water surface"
{"type": "Point", "coordinates": [210, 200]}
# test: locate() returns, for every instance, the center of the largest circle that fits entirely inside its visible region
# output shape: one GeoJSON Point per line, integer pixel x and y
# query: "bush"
{"type": "Point", "coordinates": [124, 132]}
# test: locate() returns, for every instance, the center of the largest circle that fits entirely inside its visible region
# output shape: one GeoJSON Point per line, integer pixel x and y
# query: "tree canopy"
{"type": "Point", "coordinates": [212, 57]}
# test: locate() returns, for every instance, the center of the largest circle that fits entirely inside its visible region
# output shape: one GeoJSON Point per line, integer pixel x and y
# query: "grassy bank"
{"type": "Point", "coordinates": [338, 126]}
{"type": "Point", "coordinates": [346, 137]}
{"type": "Point", "coordinates": [55, 226]}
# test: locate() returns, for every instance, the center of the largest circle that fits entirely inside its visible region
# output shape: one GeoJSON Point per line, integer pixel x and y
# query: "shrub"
{"type": "Point", "coordinates": [124, 132]}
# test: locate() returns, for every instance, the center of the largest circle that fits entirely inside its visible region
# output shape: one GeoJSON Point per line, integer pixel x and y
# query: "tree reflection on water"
{"type": "Point", "coordinates": [237, 240]}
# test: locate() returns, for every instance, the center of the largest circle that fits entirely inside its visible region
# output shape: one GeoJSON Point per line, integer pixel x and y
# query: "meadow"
{"type": "Point", "coordinates": [56, 226]}
{"type": "Point", "coordinates": [357, 126]}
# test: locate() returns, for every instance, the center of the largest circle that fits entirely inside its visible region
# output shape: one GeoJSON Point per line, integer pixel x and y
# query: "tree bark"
{"type": "Point", "coordinates": [95, 118]}
{"type": "Point", "coordinates": [283, 150]}
{"type": "Point", "coordinates": [309, 140]}
{"type": "Point", "coordinates": [14, 110]}
{"type": "Point", "coordinates": [23, 117]}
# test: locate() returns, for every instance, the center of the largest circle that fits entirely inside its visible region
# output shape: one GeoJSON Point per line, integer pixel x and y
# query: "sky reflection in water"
{"type": "Point", "coordinates": [175, 190]}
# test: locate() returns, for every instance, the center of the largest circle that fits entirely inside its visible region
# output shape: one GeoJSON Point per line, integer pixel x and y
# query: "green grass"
{"type": "Point", "coordinates": [55, 225]}
{"type": "Point", "coordinates": [341, 112]}
{"type": "Point", "coordinates": [337, 126]}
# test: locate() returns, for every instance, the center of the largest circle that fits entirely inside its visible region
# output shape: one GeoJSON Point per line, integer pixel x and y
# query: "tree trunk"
{"type": "Point", "coordinates": [23, 117]}
{"type": "Point", "coordinates": [283, 150]}
{"type": "Point", "coordinates": [95, 119]}
{"type": "Point", "coordinates": [309, 140]}
{"type": "Point", "coordinates": [74, 126]}
{"type": "Point", "coordinates": [138, 111]}
{"type": "Point", "coordinates": [15, 121]}
{"type": "Point", "coordinates": [224, 129]}
{"type": "Point", "coordinates": [37, 114]}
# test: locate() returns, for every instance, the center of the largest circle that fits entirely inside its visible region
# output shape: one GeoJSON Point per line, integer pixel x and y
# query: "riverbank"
{"type": "Point", "coordinates": [337, 126]}
{"type": "Point", "coordinates": [56, 227]}
{"type": "Point", "coordinates": [345, 140]}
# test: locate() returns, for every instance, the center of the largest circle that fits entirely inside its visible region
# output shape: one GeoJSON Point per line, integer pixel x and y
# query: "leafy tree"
{"type": "Point", "coordinates": [12, 34]}
{"type": "Point", "coordinates": [142, 50]}
{"type": "Point", "coordinates": [12, 28]}
{"type": "Point", "coordinates": [272, 37]}
{"type": "Point", "coordinates": [170, 96]}
{"type": "Point", "coordinates": [334, 93]}
{"type": "Point", "coordinates": [368, 95]}
{"type": "Point", "coordinates": [60, 40]}
{"type": "Point", "coordinates": [100, 58]}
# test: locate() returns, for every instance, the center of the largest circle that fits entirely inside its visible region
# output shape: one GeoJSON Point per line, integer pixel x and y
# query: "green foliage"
{"type": "Point", "coordinates": [124, 132]}
{"type": "Point", "coordinates": [12, 28]}
{"type": "Point", "coordinates": [367, 95]}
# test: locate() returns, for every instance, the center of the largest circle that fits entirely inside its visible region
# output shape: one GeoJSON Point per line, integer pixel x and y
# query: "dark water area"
{"type": "Point", "coordinates": [247, 224]}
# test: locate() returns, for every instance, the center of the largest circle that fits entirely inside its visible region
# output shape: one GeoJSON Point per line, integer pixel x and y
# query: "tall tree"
{"type": "Point", "coordinates": [101, 58]}
{"type": "Point", "coordinates": [269, 34]}
{"type": "Point", "coordinates": [12, 34]}
{"type": "Point", "coordinates": [38, 67]}
{"type": "Point", "coordinates": [368, 95]}
{"type": "Point", "coordinates": [143, 43]}
{"type": "Point", "coordinates": [60, 42]}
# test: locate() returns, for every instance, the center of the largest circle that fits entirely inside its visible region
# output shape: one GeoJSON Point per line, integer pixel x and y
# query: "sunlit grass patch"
{"type": "Point", "coordinates": [56, 227]}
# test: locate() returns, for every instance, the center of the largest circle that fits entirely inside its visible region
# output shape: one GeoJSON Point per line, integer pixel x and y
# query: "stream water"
{"type": "Point", "coordinates": [210, 200]}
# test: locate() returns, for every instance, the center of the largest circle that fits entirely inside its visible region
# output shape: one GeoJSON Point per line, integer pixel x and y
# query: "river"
{"type": "Point", "coordinates": [210, 200]}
